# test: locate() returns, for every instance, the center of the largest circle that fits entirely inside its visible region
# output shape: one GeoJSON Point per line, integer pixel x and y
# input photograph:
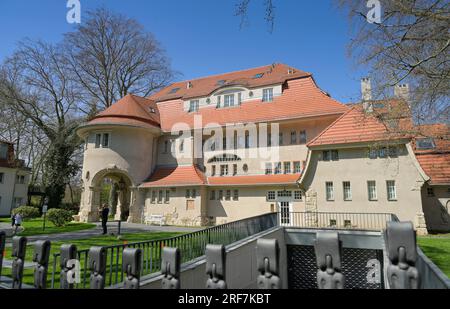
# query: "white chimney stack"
{"type": "Point", "coordinates": [402, 91]}
{"type": "Point", "coordinates": [366, 89]}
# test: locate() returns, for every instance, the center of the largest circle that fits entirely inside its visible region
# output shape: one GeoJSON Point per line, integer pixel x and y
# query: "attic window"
{"type": "Point", "coordinates": [174, 90]}
{"type": "Point", "coordinates": [259, 75]}
{"type": "Point", "coordinates": [425, 143]}
{"type": "Point", "coordinates": [221, 82]}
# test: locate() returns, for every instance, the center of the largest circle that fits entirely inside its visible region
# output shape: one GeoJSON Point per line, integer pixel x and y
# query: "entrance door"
{"type": "Point", "coordinates": [285, 210]}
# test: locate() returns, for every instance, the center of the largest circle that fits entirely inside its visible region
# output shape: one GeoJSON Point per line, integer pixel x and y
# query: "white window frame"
{"type": "Point", "coordinates": [372, 190]}
{"type": "Point", "coordinates": [270, 194]}
{"type": "Point", "coordinates": [293, 137]}
{"type": "Point", "coordinates": [297, 167]}
{"type": "Point", "coordinates": [269, 170]}
{"type": "Point", "coordinates": [347, 190]}
{"type": "Point", "coordinates": [277, 168]}
{"type": "Point", "coordinates": [297, 195]}
{"type": "Point", "coordinates": [390, 184]}
{"type": "Point", "coordinates": [329, 194]}
{"type": "Point", "coordinates": [235, 195]}
{"type": "Point", "coordinates": [303, 137]}
{"type": "Point", "coordinates": [224, 170]}
{"type": "Point", "coordinates": [287, 167]}
{"type": "Point", "coordinates": [228, 100]}
{"type": "Point", "coordinates": [267, 95]}
{"type": "Point", "coordinates": [194, 106]}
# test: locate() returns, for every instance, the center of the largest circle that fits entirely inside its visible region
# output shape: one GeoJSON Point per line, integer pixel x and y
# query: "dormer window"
{"type": "Point", "coordinates": [174, 90]}
{"type": "Point", "coordinates": [425, 144]}
{"type": "Point", "coordinates": [193, 106]}
{"type": "Point", "coordinates": [221, 82]}
{"type": "Point", "coordinates": [229, 100]}
{"type": "Point", "coordinates": [259, 75]}
{"type": "Point", "coordinates": [267, 95]}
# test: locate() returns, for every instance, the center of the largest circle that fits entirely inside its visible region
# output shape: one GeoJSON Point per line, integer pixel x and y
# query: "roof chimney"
{"type": "Point", "coordinates": [366, 89]}
{"type": "Point", "coordinates": [402, 91]}
{"type": "Point", "coordinates": [189, 85]}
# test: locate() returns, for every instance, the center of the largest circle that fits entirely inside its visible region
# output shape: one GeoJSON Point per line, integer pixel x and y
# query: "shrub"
{"type": "Point", "coordinates": [59, 217]}
{"type": "Point", "coordinates": [27, 212]}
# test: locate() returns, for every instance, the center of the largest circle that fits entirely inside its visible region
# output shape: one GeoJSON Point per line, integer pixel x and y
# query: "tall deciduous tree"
{"type": "Point", "coordinates": [111, 55]}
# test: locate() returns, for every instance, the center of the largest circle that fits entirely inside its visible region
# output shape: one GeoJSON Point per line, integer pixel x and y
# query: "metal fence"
{"type": "Point", "coordinates": [336, 220]}
{"type": "Point", "coordinates": [191, 245]}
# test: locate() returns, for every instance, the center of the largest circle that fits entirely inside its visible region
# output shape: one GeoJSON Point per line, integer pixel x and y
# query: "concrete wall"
{"type": "Point", "coordinates": [241, 268]}
{"type": "Point", "coordinates": [436, 208]}
{"type": "Point", "coordinates": [9, 189]}
{"type": "Point", "coordinates": [354, 165]}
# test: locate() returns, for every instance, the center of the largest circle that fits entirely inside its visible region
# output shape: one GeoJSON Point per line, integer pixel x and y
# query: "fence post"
{"type": "Point", "coordinates": [97, 266]}
{"type": "Point", "coordinates": [170, 268]}
{"type": "Point", "coordinates": [131, 266]}
{"type": "Point", "coordinates": [40, 257]}
{"type": "Point", "coordinates": [215, 267]}
{"type": "Point", "coordinates": [69, 267]}
{"type": "Point", "coordinates": [402, 253]}
{"type": "Point", "coordinates": [268, 262]}
{"type": "Point", "coordinates": [2, 249]}
{"type": "Point", "coordinates": [19, 247]}
{"type": "Point", "coordinates": [328, 254]}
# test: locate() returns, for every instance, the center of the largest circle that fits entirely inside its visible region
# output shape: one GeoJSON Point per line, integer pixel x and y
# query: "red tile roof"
{"type": "Point", "coordinates": [175, 176]}
{"type": "Point", "coordinates": [300, 99]}
{"type": "Point", "coordinates": [439, 132]}
{"type": "Point", "coordinates": [354, 126]}
{"type": "Point", "coordinates": [272, 74]}
{"type": "Point", "coordinates": [254, 180]}
{"type": "Point", "coordinates": [130, 110]}
{"type": "Point", "coordinates": [436, 166]}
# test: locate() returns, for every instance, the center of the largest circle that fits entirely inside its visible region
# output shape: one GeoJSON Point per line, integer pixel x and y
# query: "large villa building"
{"type": "Point", "coordinates": [230, 146]}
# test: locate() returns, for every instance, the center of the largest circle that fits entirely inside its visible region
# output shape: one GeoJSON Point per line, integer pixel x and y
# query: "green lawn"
{"type": "Point", "coordinates": [34, 227]}
{"type": "Point", "coordinates": [81, 244]}
{"type": "Point", "coordinates": [437, 248]}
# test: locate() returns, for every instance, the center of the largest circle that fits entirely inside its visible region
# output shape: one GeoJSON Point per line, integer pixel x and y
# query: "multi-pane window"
{"type": "Point", "coordinates": [293, 137]}
{"type": "Point", "coordinates": [326, 155]}
{"type": "Point", "coordinates": [373, 153]}
{"type": "Point", "coordinates": [297, 167]}
{"type": "Point", "coordinates": [287, 167]}
{"type": "Point", "coordinates": [391, 190]}
{"type": "Point", "coordinates": [188, 193]}
{"type": "Point", "coordinates": [3, 151]}
{"type": "Point", "coordinates": [298, 195]}
{"type": "Point", "coordinates": [278, 168]}
{"type": "Point", "coordinates": [105, 141]}
{"type": "Point", "coordinates": [218, 101]}
{"type": "Point", "coordinates": [235, 195]}
{"type": "Point", "coordinates": [220, 194]}
{"type": "Point", "coordinates": [167, 199]}
{"type": "Point", "coordinates": [2, 175]}
{"type": "Point", "coordinates": [267, 95]}
{"type": "Point", "coordinates": [212, 195]}
{"type": "Point", "coordinates": [102, 140]}
{"type": "Point", "coordinates": [303, 137]}
{"type": "Point", "coordinates": [430, 192]}
{"type": "Point", "coordinates": [228, 195]}
{"type": "Point", "coordinates": [329, 191]}
{"type": "Point", "coordinates": [229, 100]}
{"type": "Point", "coordinates": [194, 106]}
{"type": "Point", "coordinates": [98, 140]}
{"type": "Point", "coordinates": [268, 168]}
{"type": "Point", "coordinates": [334, 155]}
{"type": "Point", "coordinates": [153, 199]}
{"type": "Point", "coordinates": [284, 193]}
{"type": "Point", "coordinates": [383, 152]}
{"type": "Point", "coordinates": [20, 179]}
{"type": "Point", "coordinates": [223, 170]}
{"type": "Point", "coordinates": [347, 191]}
{"type": "Point", "coordinates": [194, 193]}
{"type": "Point", "coordinates": [372, 190]}
{"type": "Point", "coordinates": [271, 195]}
{"type": "Point", "coordinates": [160, 196]}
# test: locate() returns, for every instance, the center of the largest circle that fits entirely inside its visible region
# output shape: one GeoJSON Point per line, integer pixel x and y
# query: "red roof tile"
{"type": "Point", "coordinates": [300, 99]}
{"type": "Point", "coordinates": [175, 176]}
{"type": "Point", "coordinates": [254, 180]}
{"type": "Point", "coordinates": [130, 110]}
{"type": "Point", "coordinates": [354, 126]}
{"type": "Point", "coordinates": [436, 166]}
{"type": "Point", "coordinates": [272, 74]}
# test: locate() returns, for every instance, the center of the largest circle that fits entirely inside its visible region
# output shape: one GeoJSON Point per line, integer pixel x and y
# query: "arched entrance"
{"type": "Point", "coordinates": [112, 187]}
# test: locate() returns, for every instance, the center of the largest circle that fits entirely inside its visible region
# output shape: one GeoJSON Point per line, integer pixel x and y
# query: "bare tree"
{"type": "Point", "coordinates": [111, 55]}
{"type": "Point", "coordinates": [410, 44]}
{"type": "Point", "coordinates": [242, 9]}
{"type": "Point", "coordinates": [34, 82]}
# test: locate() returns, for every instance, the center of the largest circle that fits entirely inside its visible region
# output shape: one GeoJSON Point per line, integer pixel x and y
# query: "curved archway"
{"type": "Point", "coordinates": [113, 187]}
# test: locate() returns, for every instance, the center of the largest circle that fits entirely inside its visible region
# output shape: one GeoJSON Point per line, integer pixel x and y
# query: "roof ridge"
{"type": "Point", "coordinates": [330, 126]}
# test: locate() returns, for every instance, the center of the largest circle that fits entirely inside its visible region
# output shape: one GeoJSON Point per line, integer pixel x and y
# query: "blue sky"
{"type": "Point", "coordinates": [202, 37]}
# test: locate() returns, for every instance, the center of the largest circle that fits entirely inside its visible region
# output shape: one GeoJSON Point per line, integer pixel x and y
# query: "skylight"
{"type": "Point", "coordinates": [221, 82]}
{"type": "Point", "coordinates": [174, 90]}
{"type": "Point", "coordinates": [425, 143]}
{"type": "Point", "coordinates": [259, 75]}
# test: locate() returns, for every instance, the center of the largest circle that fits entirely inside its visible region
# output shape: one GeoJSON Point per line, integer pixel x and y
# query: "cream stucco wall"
{"type": "Point", "coordinates": [436, 207]}
{"type": "Point", "coordinates": [9, 189]}
{"type": "Point", "coordinates": [355, 166]}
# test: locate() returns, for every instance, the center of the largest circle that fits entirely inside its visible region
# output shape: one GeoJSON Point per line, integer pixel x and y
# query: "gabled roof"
{"type": "Point", "coordinates": [177, 176]}
{"type": "Point", "coordinates": [271, 74]}
{"type": "Point", "coordinates": [436, 166]}
{"type": "Point", "coordinates": [252, 180]}
{"type": "Point", "coordinates": [355, 126]}
{"type": "Point", "coordinates": [300, 99]}
{"type": "Point", "coordinates": [130, 110]}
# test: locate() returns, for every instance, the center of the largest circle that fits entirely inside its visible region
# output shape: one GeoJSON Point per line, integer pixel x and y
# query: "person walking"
{"type": "Point", "coordinates": [13, 220]}
{"type": "Point", "coordinates": [17, 222]}
{"type": "Point", "coordinates": [105, 214]}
